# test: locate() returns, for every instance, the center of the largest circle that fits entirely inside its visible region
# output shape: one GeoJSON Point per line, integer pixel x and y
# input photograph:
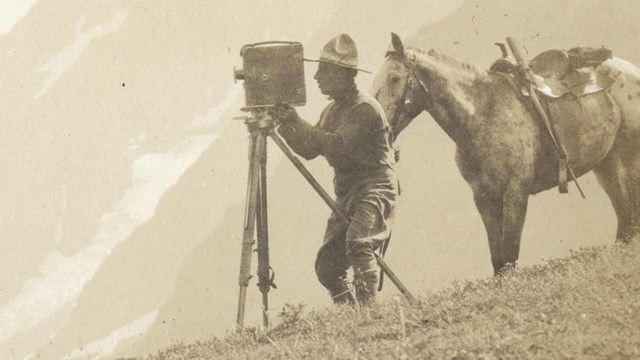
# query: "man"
{"type": "Point", "coordinates": [355, 138]}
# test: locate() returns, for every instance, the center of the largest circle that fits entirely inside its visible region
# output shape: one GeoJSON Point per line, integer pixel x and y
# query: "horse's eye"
{"type": "Point", "coordinates": [395, 79]}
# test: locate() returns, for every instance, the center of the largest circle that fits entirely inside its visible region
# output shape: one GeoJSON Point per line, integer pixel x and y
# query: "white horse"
{"type": "Point", "coordinates": [503, 151]}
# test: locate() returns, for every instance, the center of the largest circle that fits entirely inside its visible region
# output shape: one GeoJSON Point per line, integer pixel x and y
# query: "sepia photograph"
{"type": "Point", "coordinates": [400, 179]}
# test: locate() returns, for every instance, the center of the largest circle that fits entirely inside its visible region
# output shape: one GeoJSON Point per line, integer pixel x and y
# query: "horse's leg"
{"type": "Point", "coordinates": [514, 210]}
{"type": "Point", "coordinates": [613, 178]}
{"type": "Point", "coordinates": [631, 163]}
{"type": "Point", "coordinates": [491, 213]}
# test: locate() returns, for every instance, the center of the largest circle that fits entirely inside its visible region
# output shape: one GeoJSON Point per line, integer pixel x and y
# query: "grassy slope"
{"type": "Point", "coordinates": [584, 306]}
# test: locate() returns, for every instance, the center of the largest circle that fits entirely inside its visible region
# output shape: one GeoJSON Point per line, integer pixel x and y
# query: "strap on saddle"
{"type": "Point", "coordinates": [563, 163]}
{"type": "Point", "coordinates": [524, 76]}
{"type": "Point", "coordinates": [524, 96]}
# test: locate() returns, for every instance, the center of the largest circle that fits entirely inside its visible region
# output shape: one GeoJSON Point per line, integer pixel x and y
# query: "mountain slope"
{"type": "Point", "coordinates": [581, 306]}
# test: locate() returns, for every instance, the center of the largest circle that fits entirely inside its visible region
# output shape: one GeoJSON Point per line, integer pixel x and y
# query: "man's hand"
{"type": "Point", "coordinates": [284, 113]}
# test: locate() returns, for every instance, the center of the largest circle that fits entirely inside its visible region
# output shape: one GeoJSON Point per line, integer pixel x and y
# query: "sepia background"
{"type": "Point", "coordinates": [124, 173]}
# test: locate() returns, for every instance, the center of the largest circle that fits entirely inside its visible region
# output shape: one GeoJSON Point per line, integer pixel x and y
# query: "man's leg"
{"type": "Point", "coordinates": [331, 262]}
{"type": "Point", "coordinates": [367, 231]}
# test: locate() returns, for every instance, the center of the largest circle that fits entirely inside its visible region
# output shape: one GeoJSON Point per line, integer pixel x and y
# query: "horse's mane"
{"type": "Point", "coordinates": [447, 60]}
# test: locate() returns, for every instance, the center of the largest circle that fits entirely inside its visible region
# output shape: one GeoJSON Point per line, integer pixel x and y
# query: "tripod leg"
{"type": "Point", "coordinates": [307, 175]}
{"type": "Point", "coordinates": [264, 281]}
{"type": "Point", "coordinates": [257, 143]}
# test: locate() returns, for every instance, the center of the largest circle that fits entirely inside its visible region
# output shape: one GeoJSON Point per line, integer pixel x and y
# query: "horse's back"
{"type": "Point", "coordinates": [625, 91]}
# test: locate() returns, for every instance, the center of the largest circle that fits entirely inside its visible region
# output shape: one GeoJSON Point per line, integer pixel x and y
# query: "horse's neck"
{"type": "Point", "coordinates": [453, 98]}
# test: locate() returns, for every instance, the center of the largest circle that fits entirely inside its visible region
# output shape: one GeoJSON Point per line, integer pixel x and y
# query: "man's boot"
{"type": "Point", "coordinates": [341, 293]}
{"type": "Point", "coordinates": [366, 285]}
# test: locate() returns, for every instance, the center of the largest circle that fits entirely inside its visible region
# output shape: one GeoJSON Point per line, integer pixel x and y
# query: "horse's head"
{"type": "Point", "coordinates": [397, 87]}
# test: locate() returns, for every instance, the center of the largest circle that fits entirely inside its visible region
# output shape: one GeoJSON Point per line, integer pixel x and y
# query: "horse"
{"type": "Point", "coordinates": [503, 151]}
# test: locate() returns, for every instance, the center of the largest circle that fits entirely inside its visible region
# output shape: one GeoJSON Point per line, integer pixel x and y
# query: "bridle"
{"type": "Point", "coordinates": [410, 63]}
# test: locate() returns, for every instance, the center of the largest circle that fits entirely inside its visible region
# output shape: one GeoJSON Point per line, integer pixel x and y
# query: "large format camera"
{"type": "Point", "coordinates": [273, 73]}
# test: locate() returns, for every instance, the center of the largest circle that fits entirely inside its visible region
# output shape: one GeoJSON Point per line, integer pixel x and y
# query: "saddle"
{"type": "Point", "coordinates": [558, 72]}
{"type": "Point", "coordinates": [555, 73]}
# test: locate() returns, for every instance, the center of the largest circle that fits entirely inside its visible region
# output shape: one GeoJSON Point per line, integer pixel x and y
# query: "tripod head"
{"type": "Point", "coordinates": [259, 119]}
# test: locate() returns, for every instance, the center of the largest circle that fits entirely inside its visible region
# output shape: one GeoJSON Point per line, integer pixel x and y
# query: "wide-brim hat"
{"type": "Point", "coordinates": [342, 51]}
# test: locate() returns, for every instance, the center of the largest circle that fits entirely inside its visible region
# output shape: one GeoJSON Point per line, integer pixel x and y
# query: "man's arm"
{"type": "Point", "coordinates": [361, 123]}
{"type": "Point", "coordinates": [310, 141]}
{"type": "Point", "coordinates": [298, 140]}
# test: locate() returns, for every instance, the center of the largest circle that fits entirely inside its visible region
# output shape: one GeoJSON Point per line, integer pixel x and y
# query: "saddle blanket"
{"type": "Point", "coordinates": [586, 125]}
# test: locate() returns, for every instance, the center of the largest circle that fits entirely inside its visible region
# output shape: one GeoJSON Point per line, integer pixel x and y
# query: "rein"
{"type": "Point", "coordinates": [410, 63]}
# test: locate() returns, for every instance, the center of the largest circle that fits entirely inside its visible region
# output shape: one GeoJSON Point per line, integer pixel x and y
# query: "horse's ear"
{"type": "Point", "coordinates": [397, 44]}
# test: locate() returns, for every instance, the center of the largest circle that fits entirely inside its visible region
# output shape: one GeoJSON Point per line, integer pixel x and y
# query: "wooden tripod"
{"type": "Point", "coordinates": [261, 126]}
